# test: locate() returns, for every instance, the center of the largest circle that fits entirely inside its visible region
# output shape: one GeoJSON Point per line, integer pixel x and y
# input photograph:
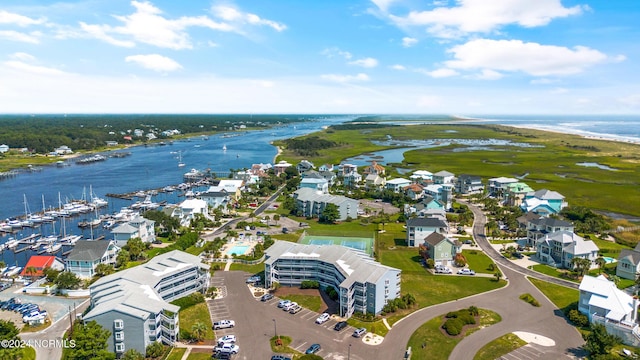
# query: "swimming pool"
{"type": "Point", "coordinates": [609, 260]}
{"type": "Point", "coordinates": [238, 250]}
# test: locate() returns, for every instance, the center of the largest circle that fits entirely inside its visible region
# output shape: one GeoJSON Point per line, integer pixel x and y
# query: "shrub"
{"type": "Point", "coordinates": [333, 294]}
{"type": "Point", "coordinates": [530, 299]}
{"type": "Point", "coordinates": [453, 326]}
{"type": "Point", "coordinates": [578, 319]}
{"type": "Point", "coordinates": [309, 284]}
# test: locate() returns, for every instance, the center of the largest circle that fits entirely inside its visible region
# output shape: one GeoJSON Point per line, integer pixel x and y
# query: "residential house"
{"type": "Point", "coordinates": [440, 248]}
{"type": "Point", "coordinates": [216, 199]}
{"type": "Point", "coordinates": [305, 165]}
{"type": "Point", "coordinates": [364, 285]}
{"type": "Point", "coordinates": [329, 176]}
{"type": "Point", "coordinates": [63, 150]}
{"type": "Point", "coordinates": [187, 210]}
{"type": "Point", "coordinates": [320, 185]}
{"type": "Point", "coordinates": [134, 304]}
{"type": "Point", "coordinates": [352, 180]}
{"type": "Point", "coordinates": [87, 254]}
{"type": "Point", "coordinates": [419, 228]}
{"type": "Point", "coordinates": [469, 184]}
{"type": "Point", "coordinates": [311, 204]}
{"type": "Point", "coordinates": [4, 148]}
{"type": "Point", "coordinates": [39, 263]}
{"type": "Point", "coordinates": [280, 167]}
{"type": "Point", "coordinates": [559, 248]}
{"type": "Point", "coordinates": [375, 169]}
{"type": "Point", "coordinates": [326, 167]}
{"type": "Point", "coordinates": [232, 187]}
{"type": "Point", "coordinates": [441, 192]}
{"type": "Point", "coordinates": [515, 193]}
{"type": "Point", "coordinates": [137, 227]}
{"type": "Point", "coordinates": [443, 177]}
{"type": "Point", "coordinates": [374, 181]}
{"type": "Point", "coordinates": [414, 191]}
{"type": "Point", "coordinates": [628, 265]}
{"type": "Point", "coordinates": [539, 227]}
{"type": "Point", "coordinates": [397, 184]}
{"type": "Point", "coordinates": [498, 186]}
{"type": "Point", "coordinates": [420, 175]}
{"type": "Point", "coordinates": [543, 202]}
{"type": "Point", "coordinates": [603, 303]}
{"type": "Point", "coordinates": [346, 169]}
{"type": "Point", "coordinates": [422, 208]}
{"type": "Point", "coordinates": [111, 143]}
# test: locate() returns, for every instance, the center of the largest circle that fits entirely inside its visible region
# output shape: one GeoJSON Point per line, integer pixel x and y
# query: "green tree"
{"type": "Point", "coordinates": [198, 330]}
{"type": "Point", "coordinates": [67, 280]}
{"type": "Point", "coordinates": [330, 214]}
{"type": "Point", "coordinates": [580, 265]}
{"type": "Point", "coordinates": [104, 270]}
{"type": "Point", "coordinates": [136, 248]}
{"type": "Point", "coordinates": [601, 263]}
{"type": "Point", "coordinates": [123, 258]}
{"type": "Point", "coordinates": [155, 350]}
{"type": "Point", "coordinates": [599, 341]}
{"type": "Point", "coordinates": [31, 271]}
{"type": "Point", "coordinates": [276, 218]}
{"type": "Point", "coordinates": [8, 331]}
{"type": "Point", "coordinates": [51, 273]}
{"type": "Point", "coordinates": [267, 218]}
{"type": "Point", "coordinates": [90, 342]}
{"type": "Point", "coordinates": [132, 354]}
{"type": "Point", "coordinates": [497, 275]}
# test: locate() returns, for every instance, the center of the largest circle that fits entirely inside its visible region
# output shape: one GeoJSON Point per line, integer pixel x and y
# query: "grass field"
{"type": "Point", "coordinates": [498, 347]}
{"type": "Point", "coordinates": [176, 353]}
{"type": "Point", "coordinates": [199, 356]}
{"type": "Point", "coordinates": [478, 261]}
{"type": "Point", "coordinates": [562, 297]}
{"type": "Point", "coordinates": [196, 313]}
{"type": "Point", "coordinates": [551, 271]}
{"type": "Point", "coordinates": [311, 302]}
{"type": "Point", "coordinates": [429, 342]}
{"type": "Point", "coordinates": [376, 327]}
{"type": "Point", "coordinates": [252, 269]}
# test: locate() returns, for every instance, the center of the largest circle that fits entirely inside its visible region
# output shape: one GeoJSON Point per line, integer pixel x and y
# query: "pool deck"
{"type": "Point", "coordinates": [228, 248]}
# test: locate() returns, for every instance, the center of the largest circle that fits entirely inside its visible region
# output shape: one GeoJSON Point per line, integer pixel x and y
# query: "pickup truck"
{"type": "Point", "coordinates": [223, 324]}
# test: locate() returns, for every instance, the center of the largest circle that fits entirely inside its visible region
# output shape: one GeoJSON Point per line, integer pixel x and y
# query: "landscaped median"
{"type": "Point", "coordinates": [500, 346]}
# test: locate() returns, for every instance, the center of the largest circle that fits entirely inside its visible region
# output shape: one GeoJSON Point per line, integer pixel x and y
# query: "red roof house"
{"type": "Point", "coordinates": [40, 263]}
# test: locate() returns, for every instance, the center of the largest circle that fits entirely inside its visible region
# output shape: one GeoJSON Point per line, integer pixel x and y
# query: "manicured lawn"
{"type": "Point", "coordinates": [430, 289]}
{"type": "Point", "coordinates": [311, 302]}
{"type": "Point", "coordinates": [199, 356]}
{"type": "Point", "coordinates": [176, 353]}
{"type": "Point", "coordinates": [561, 296]}
{"type": "Point", "coordinates": [28, 353]}
{"type": "Point", "coordinates": [551, 271]}
{"type": "Point", "coordinates": [478, 261]}
{"type": "Point", "coordinates": [376, 327]}
{"type": "Point", "coordinates": [498, 347]}
{"type": "Point", "coordinates": [196, 313]}
{"type": "Point", "coordinates": [438, 345]}
{"type": "Point", "coordinates": [252, 269]}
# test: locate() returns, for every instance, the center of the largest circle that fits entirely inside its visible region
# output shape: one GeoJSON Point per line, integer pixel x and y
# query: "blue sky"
{"type": "Point", "coordinates": [464, 57]}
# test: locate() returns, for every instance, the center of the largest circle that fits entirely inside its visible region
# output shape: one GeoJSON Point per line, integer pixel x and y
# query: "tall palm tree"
{"type": "Point", "coordinates": [31, 271]}
{"type": "Point", "coordinates": [198, 330]}
{"type": "Point", "coordinates": [601, 263]}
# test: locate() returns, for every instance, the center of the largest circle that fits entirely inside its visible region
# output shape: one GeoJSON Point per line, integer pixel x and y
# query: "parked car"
{"type": "Point", "coordinates": [222, 356]}
{"type": "Point", "coordinates": [314, 348]}
{"type": "Point", "coordinates": [289, 306]}
{"type": "Point", "coordinates": [440, 269]}
{"type": "Point", "coordinates": [266, 297]}
{"type": "Point", "coordinates": [340, 325]}
{"type": "Point", "coordinates": [227, 339]}
{"type": "Point", "coordinates": [466, 271]}
{"type": "Point", "coordinates": [36, 315]}
{"type": "Point", "coordinates": [323, 318]}
{"type": "Point", "coordinates": [283, 303]}
{"type": "Point", "coordinates": [223, 324]}
{"type": "Point", "coordinates": [227, 348]}
{"type": "Point", "coordinates": [359, 332]}
{"type": "Point", "coordinates": [280, 357]}
{"type": "Point", "coordinates": [285, 230]}
{"type": "Point", "coordinates": [295, 310]}
{"type": "Point", "coordinates": [253, 279]}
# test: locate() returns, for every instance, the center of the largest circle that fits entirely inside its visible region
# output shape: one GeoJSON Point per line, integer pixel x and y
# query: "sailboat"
{"type": "Point", "coordinates": [224, 148]}
{"type": "Point", "coordinates": [46, 217]}
{"type": "Point", "coordinates": [180, 163]}
{"type": "Point", "coordinates": [95, 200]}
{"type": "Point", "coordinates": [27, 222]}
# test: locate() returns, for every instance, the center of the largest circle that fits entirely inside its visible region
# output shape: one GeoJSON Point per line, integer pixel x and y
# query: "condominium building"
{"type": "Point", "coordinates": [363, 285]}
{"type": "Point", "coordinates": [310, 203]}
{"type": "Point", "coordinates": [134, 304]}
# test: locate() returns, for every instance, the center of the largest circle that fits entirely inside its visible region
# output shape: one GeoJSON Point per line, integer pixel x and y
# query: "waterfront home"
{"type": "Point", "coordinates": [441, 192]}
{"type": "Point", "coordinates": [440, 248]}
{"type": "Point", "coordinates": [305, 165]}
{"type": "Point", "coordinates": [187, 210]}
{"type": "Point", "coordinates": [420, 175]}
{"type": "Point", "coordinates": [559, 248]}
{"type": "Point", "coordinates": [603, 303]}
{"type": "Point", "coordinates": [515, 193]}
{"type": "Point", "coordinates": [216, 199]}
{"type": "Point", "coordinates": [498, 186]}
{"type": "Point", "coordinates": [414, 191]}
{"type": "Point", "coordinates": [39, 263]}
{"type": "Point", "coordinates": [310, 203]}
{"type": "Point", "coordinates": [419, 228]}
{"type": "Point", "coordinates": [63, 150]}
{"type": "Point", "coordinates": [134, 304]}
{"type": "Point", "coordinates": [4, 148]}
{"type": "Point", "coordinates": [329, 176]}
{"type": "Point", "coordinates": [87, 254]}
{"type": "Point", "coordinates": [321, 185]}
{"type": "Point", "coordinates": [375, 169]}
{"type": "Point", "coordinates": [443, 177]}
{"type": "Point", "coordinates": [253, 175]}
{"type": "Point", "coordinates": [539, 227]}
{"type": "Point", "coordinates": [469, 184]}
{"type": "Point", "coordinates": [346, 169]}
{"type": "Point", "coordinates": [544, 202]}
{"type": "Point", "coordinates": [138, 227]}
{"type": "Point", "coordinates": [232, 187]}
{"type": "Point", "coordinates": [396, 185]}
{"type": "Point", "coordinates": [628, 266]}
{"type": "Point", "coordinates": [280, 167]}
{"type": "Point", "coordinates": [422, 208]}
{"type": "Point", "coordinates": [374, 181]}
{"type": "Point", "coordinates": [326, 167]}
{"type": "Point", "coordinates": [364, 285]}
{"type": "Point", "coordinates": [151, 136]}
{"type": "Point", "coordinates": [111, 143]}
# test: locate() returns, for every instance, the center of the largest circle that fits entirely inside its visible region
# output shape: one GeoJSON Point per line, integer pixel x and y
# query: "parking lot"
{"type": "Point", "coordinates": [57, 307]}
{"type": "Point", "coordinates": [257, 322]}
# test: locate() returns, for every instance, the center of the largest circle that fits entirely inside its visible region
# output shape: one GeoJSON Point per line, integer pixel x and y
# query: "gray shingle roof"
{"type": "Point", "coordinates": [426, 222]}
{"type": "Point", "coordinates": [88, 250]}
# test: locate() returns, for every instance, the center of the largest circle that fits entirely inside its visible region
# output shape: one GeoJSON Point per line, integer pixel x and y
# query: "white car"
{"type": "Point", "coordinates": [284, 303]}
{"type": "Point", "coordinates": [227, 339]}
{"type": "Point", "coordinates": [322, 318]}
{"type": "Point", "coordinates": [33, 316]}
{"type": "Point", "coordinates": [466, 271]}
{"type": "Point", "coordinates": [223, 324]}
{"type": "Point", "coordinates": [289, 306]}
{"type": "Point", "coordinates": [227, 348]}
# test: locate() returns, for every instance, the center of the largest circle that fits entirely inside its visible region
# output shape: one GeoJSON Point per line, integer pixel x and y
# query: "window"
{"type": "Point", "coordinates": [120, 347]}
{"type": "Point", "coordinates": [119, 335]}
{"type": "Point", "coordinates": [118, 324]}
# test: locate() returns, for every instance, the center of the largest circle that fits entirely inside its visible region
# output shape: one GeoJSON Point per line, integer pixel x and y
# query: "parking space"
{"type": "Point", "coordinates": [527, 352]}
{"type": "Point", "coordinates": [57, 307]}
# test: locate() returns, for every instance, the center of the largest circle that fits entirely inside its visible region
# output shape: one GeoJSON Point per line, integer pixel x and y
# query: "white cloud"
{"type": "Point", "coordinates": [438, 73]}
{"type": "Point", "coordinates": [559, 90]}
{"type": "Point", "coordinates": [154, 62]}
{"type": "Point", "coordinates": [409, 42]}
{"type": "Point", "coordinates": [481, 16]}
{"type": "Point", "coordinates": [336, 52]}
{"type": "Point", "coordinates": [487, 74]}
{"type": "Point", "coordinates": [345, 78]}
{"type": "Point", "coordinates": [100, 32]}
{"type": "Point", "coordinates": [428, 101]}
{"type": "Point", "coordinates": [233, 15]}
{"type": "Point", "coordinates": [17, 19]}
{"type": "Point", "coordinates": [531, 58]}
{"type": "Point", "coordinates": [398, 67]}
{"type": "Point", "coordinates": [31, 38]}
{"type": "Point", "coordinates": [22, 56]}
{"type": "Point", "coordinates": [365, 63]}
{"type": "Point", "coordinates": [33, 69]}
{"type": "Point", "coordinates": [543, 81]}
{"type": "Point", "coordinates": [383, 4]}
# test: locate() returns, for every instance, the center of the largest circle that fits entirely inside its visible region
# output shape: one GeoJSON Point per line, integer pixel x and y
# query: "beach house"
{"type": "Point", "coordinates": [137, 227]}
{"type": "Point", "coordinates": [628, 265]}
{"type": "Point", "coordinates": [419, 228]}
{"type": "Point", "coordinates": [559, 248]}
{"type": "Point", "coordinates": [440, 248]}
{"type": "Point", "coordinates": [87, 254]}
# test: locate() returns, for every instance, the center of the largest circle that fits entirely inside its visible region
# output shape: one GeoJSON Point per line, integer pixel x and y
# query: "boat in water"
{"type": "Point", "coordinates": [11, 243]}
{"type": "Point", "coordinates": [12, 270]}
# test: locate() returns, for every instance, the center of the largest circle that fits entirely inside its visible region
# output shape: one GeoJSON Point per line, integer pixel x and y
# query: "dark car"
{"type": "Point", "coordinates": [340, 325]}
{"type": "Point", "coordinates": [266, 297]}
{"type": "Point", "coordinates": [280, 357]}
{"type": "Point", "coordinates": [314, 348]}
{"type": "Point", "coordinates": [222, 355]}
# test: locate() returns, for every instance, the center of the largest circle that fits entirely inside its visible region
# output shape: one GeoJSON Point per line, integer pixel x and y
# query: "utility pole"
{"type": "Point", "coordinates": [349, 353]}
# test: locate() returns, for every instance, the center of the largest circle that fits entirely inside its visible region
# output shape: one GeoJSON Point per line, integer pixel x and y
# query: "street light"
{"type": "Point", "coordinates": [349, 353]}
{"type": "Point", "coordinates": [275, 328]}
